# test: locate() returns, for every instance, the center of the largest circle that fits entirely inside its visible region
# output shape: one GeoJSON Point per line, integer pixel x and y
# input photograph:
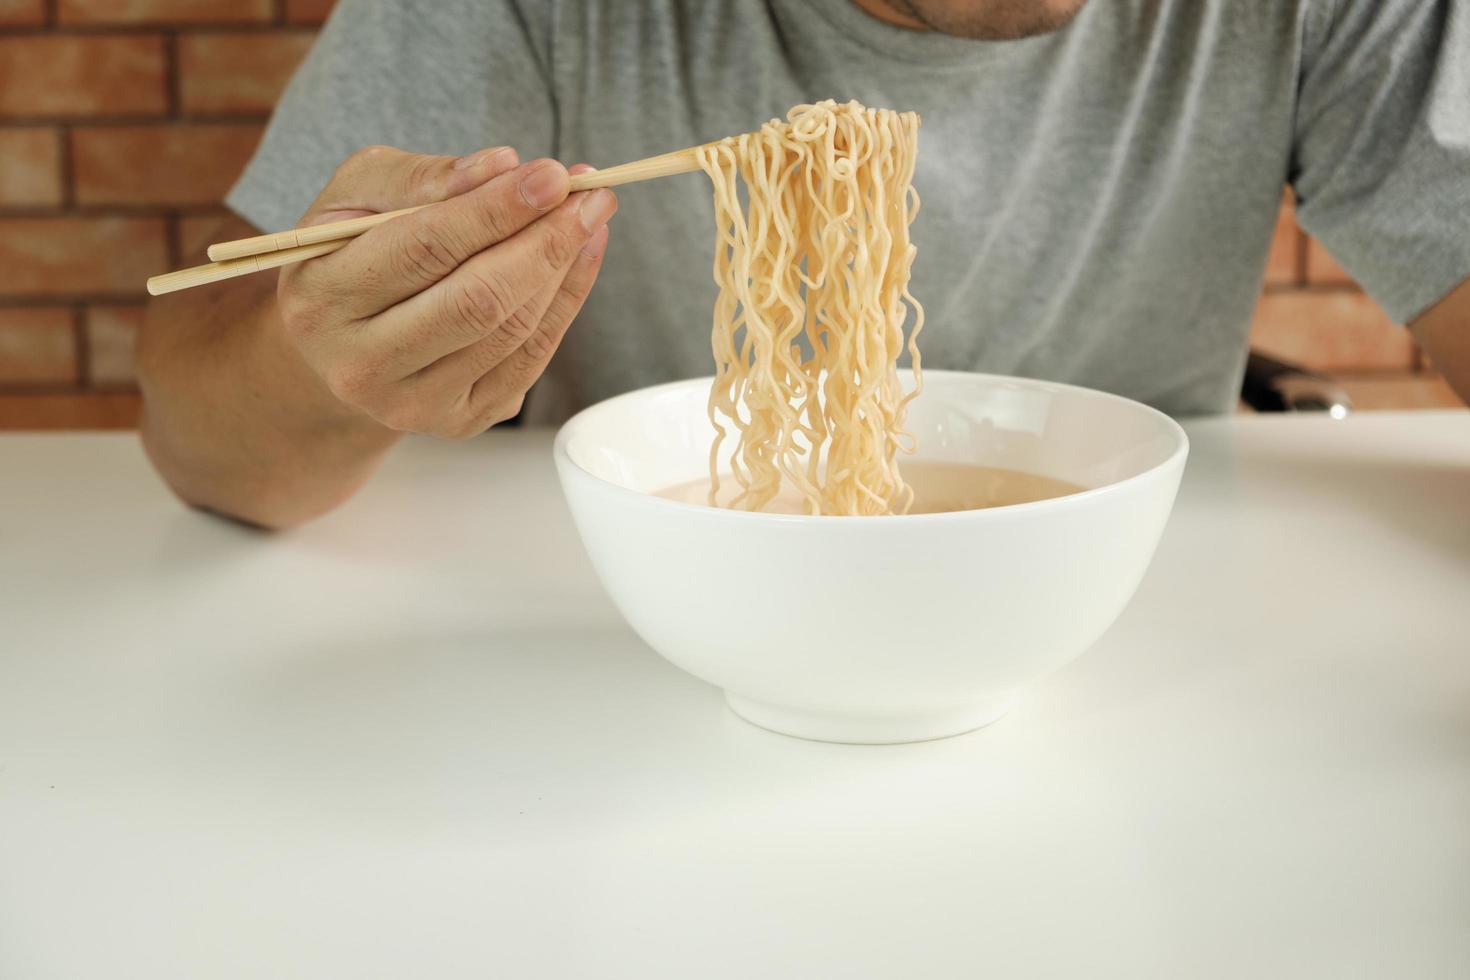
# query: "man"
{"type": "Point", "coordinates": [1100, 182]}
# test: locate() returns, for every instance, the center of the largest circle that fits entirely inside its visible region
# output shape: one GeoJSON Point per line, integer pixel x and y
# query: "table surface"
{"type": "Point", "coordinates": [415, 739]}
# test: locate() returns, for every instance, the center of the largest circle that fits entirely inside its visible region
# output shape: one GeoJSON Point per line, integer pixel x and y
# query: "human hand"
{"type": "Point", "coordinates": [440, 321]}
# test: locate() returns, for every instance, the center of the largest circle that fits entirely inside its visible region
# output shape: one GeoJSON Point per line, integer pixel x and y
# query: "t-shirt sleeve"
{"type": "Point", "coordinates": [429, 76]}
{"type": "Point", "coordinates": [1381, 161]}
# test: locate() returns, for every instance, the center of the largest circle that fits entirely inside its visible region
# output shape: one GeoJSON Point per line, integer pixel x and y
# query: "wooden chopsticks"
{"type": "Point", "coordinates": [247, 255]}
{"type": "Point", "coordinates": [281, 241]}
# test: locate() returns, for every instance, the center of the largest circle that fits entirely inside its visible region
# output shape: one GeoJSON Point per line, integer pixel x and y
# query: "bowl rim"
{"type": "Point", "coordinates": [1181, 450]}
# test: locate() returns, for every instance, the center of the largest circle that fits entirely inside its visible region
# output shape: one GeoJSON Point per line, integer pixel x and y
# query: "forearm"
{"type": "Point", "coordinates": [436, 322]}
{"type": "Point", "coordinates": [236, 421]}
{"type": "Point", "coordinates": [1457, 370]}
{"type": "Point", "coordinates": [1444, 333]}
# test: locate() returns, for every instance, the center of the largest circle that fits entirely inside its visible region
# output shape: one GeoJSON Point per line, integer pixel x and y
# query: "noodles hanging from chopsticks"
{"type": "Point", "coordinates": [819, 253]}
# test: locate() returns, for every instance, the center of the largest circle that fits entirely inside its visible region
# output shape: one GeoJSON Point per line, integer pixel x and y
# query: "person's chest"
{"type": "Point", "coordinates": [1096, 203]}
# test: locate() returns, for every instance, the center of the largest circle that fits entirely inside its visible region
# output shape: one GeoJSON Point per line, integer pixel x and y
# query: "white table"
{"type": "Point", "coordinates": [415, 740]}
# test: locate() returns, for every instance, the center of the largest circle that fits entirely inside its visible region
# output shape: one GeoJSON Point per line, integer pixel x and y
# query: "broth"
{"type": "Point", "coordinates": [939, 488]}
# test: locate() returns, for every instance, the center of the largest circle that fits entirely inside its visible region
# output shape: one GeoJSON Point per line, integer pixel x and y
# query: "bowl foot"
{"type": "Point", "coordinates": [867, 728]}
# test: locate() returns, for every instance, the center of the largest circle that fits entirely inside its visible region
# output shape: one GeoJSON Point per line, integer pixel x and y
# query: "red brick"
{"type": "Point", "coordinates": [1286, 244]}
{"type": "Point", "coordinates": [308, 11]}
{"type": "Point", "coordinates": [112, 333]}
{"type": "Point", "coordinates": [178, 164]}
{"type": "Point", "coordinates": [1330, 331]}
{"type": "Point", "coordinates": [37, 345]}
{"type": "Point", "coordinates": [238, 72]}
{"type": "Point", "coordinates": [84, 410]}
{"type": "Point", "coordinates": [199, 231]}
{"type": "Point", "coordinates": [77, 255]}
{"type": "Point", "coordinates": [1399, 391]}
{"type": "Point", "coordinates": [163, 11]}
{"type": "Point", "coordinates": [196, 234]}
{"type": "Point", "coordinates": [78, 76]}
{"type": "Point", "coordinates": [18, 13]}
{"type": "Point", "coordinates": [30, 173]}
{"type": "Point", "coordinates": [1323, 269]}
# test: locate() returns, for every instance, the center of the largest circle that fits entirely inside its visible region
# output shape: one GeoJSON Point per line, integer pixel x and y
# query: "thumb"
{"type": "Point", "coordinates": [382, 178]}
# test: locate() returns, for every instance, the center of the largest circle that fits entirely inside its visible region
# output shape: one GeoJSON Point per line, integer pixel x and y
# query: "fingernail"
{"type": "Point", "coordinates": [596, 243]}
{"type": "Point", "coordinates": [544, 186]}
{"type": "Point", "coordinates": [596, 208]}
{"type": "Point", "coordinates": [479, 156]}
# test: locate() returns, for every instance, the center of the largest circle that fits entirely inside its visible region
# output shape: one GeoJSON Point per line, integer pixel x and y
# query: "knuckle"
{"type": "Point", "coordinates": [351, 381]}
{"type": "Point", "coordinates": [502, 342]}
{"type": "Point", "coordinates": [423, 177]}
{"type": "Point", "coordinates": [540, 345]}
{"type": "Point", "coordinates": [485, 354]}
{"type": "Point", "coordinates": [496, 216]}
{"type": "Point", "coordinates": [482, 301]}
{"type": "Point", "coordinates": [424, 256]}
{"type": "Point", "coordinates": [558, 247]}
{"type": "Point", "coordinates": [502, 410]}
{"type": "Point", "coordinates": [524, 370]}
{"type": "Point", "coordinates": [516, 330]}
{"type": "Point", "coordinates": [513, 407]}
{"type": "Point", "coordinates": [363, 159]}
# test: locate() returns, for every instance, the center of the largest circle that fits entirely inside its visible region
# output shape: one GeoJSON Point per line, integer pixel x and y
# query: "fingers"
{"type": "Point", "coordinates": [480, 300]}
{"type": "Point", "coordinates": [418, 250]}
{"type": "Point", "coordinates": [484, 383]}
{"type": "Point", "coordinates": [410, 253]}
{"type": "Point", "coordinates": [383, 178]}
{"type": "Point", "coordinates": [507, 382]}
{"type": "Point", "coordinates": [395, 260]}
{"type": "Point", "coordinates": [448, 341]}
{"type": "Point", "coordinates": [460, 370]}
{"type": "Point", "coordinates": [451, 379]}
{"type": "Point", "coordinates": [333, 287]}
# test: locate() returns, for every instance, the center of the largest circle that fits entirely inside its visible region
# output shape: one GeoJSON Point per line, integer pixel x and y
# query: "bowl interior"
{"type": "Point", "coordinates": [654, 438]}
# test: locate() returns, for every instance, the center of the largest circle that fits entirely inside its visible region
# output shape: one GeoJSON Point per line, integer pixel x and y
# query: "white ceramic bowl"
{"type": "Point", "coordinates": [878, 629]}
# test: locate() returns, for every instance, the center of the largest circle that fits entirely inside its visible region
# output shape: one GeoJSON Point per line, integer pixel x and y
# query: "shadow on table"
{"type": "Point", "coordinates": [540, 733]}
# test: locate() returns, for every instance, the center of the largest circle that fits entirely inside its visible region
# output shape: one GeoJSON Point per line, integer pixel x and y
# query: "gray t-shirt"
{"type": "Point", "coordinates": [1097, 202]}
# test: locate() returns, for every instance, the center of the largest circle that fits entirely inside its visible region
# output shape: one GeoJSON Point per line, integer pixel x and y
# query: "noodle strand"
{"type": "Point", "coordinates": [820, 254]}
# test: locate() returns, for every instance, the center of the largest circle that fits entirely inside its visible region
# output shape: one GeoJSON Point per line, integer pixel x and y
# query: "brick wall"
{"type": "Point", "coordinates": [1312, 313]}
{"type": "Point", "coordinates": [123, 122]}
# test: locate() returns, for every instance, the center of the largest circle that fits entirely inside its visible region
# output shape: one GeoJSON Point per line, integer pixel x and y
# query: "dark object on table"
{"type": "Point", "coordinates": [1276, 386]}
